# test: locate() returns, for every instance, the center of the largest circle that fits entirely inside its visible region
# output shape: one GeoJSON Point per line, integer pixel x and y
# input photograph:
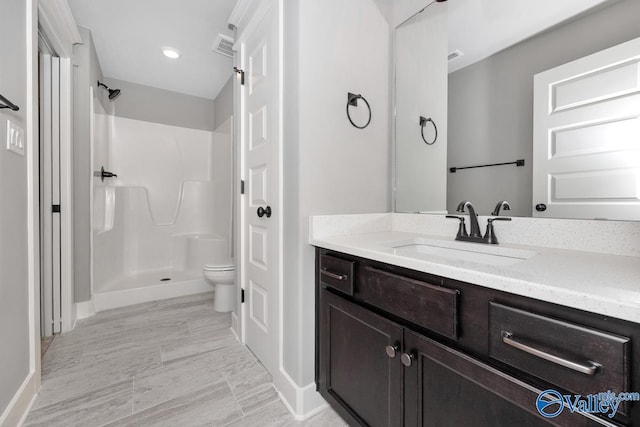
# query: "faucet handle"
{"type": "Point", "coordinates": [498, 218]}
{"type": "Point", "coordinates": [490, 234]}
{"type": "Point", "coordinates": [462, 228]}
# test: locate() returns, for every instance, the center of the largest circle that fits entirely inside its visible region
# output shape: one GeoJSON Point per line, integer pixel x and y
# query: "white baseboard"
{"type": "Point", "coordinates": [84, 310]}
{"type": "Point", "coordinates": [302, 402]}
{"type": "Point", "coordinates": [16, 412]}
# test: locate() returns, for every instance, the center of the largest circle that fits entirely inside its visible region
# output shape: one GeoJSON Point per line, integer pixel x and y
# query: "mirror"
{"type": "Point", "coordinates": [487, 117]}
{"type": "Point", "coordinates": [421, 111]}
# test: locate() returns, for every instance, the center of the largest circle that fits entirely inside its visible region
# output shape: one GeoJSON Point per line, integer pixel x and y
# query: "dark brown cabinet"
{"type": "Point", "coordinates": [402, 348]}
{"type": "Point", "coordinates": [357, 373]}
{"type": "Point", "coordinates": [444, 387]}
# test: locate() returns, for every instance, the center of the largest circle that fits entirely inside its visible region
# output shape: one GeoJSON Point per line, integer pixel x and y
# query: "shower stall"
{"type": "Point", "coordinates": [157, 221]}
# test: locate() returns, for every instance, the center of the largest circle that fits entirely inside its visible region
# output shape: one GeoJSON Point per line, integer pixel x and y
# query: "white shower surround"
{"type": "Point", "coordinates": [164, 214]}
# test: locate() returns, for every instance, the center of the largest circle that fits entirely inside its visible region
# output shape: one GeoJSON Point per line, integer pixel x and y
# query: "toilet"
{"type": "Point", "coordinates": [222, 277]}
{"type": "Point", "coordinates": [219, 271]}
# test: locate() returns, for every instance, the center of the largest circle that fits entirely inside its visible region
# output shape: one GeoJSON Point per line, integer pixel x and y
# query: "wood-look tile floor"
{"type": "Point", "coordinates": [167, 363]}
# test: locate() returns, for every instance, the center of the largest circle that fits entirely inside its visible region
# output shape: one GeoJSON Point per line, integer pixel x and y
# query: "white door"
{"type": "Point", "coordinates": [586, 146]}
{"type": "Point", "coordinates": [262, 147]}
{"type": "Point", "coordinates": [50, 249]}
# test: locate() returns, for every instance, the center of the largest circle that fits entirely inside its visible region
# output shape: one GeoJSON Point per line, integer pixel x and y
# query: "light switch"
{"type": "Point", "coordinates": [15, 138]}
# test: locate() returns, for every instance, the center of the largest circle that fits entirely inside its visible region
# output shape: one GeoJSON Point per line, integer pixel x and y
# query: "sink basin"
{"type": "Point", "coordinates": [427, 249]}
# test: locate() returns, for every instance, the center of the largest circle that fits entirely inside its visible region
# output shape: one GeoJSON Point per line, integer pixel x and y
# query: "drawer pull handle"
{"type": "Point", "coordinates": [591, 369]}
{"type": "Point", "coordinates": [334, 275]}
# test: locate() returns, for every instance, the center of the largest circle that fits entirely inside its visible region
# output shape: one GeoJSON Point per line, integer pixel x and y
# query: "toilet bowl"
{"type": "Point", "coordinates": [222, 277]}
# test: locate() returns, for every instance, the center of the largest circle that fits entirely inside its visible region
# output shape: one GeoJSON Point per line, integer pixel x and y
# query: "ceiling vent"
{"type": "Point", "coordinates": [454, 55]}
{"type": "Point", "coordinates": [224, 45]}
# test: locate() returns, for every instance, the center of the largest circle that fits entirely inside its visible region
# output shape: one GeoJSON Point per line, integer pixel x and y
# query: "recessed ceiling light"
{"type": "Point", "coordinates": [170, 52]}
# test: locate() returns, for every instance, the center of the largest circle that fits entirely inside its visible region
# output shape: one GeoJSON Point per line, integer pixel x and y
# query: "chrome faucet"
{"type": "Point", "coordinates": [473, 218]}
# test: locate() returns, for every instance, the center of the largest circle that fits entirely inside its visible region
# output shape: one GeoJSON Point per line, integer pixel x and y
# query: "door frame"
{"type": "Point", "coordinates": [57, 26]}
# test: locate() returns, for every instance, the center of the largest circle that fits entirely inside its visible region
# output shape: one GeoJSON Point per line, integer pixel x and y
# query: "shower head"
{"type": "Point", "coordinates": [113, 93]}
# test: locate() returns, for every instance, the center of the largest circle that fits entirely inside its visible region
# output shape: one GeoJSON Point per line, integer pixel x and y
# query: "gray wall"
{"type": "Point", "coordinates": [87, 72]}
{"type": "Point", "coordinates": [330, 167]}
{"type": "Point", "coordinates": [223, 104]}
{"type": "Point", "coordinates": [155, 105]}
{"type": "Point", "coordinates": [491, 106]}
{"type": "Point", "coordinates": [14, 321]}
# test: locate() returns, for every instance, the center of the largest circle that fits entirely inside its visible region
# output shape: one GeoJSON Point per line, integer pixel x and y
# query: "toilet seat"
{"type": "Point", "coordinates": [219, 267]}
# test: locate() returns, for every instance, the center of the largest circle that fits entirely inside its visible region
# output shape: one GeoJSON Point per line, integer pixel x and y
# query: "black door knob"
{"type": "Point", "coordinates": [541, 207]}
{"type": "Point", "coordinates": [264, 211]}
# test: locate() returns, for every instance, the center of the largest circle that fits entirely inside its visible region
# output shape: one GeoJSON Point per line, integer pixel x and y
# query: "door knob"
{"type": "Point", "coordinates": [264, 211]}
{"type": "Point", "coordinates": [407, 359]}
{"type": "Point", "coordinates": [392, 350]}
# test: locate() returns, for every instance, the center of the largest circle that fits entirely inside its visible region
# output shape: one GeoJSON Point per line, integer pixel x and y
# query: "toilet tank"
{"type": "Point", "coordinates": [205, 249]}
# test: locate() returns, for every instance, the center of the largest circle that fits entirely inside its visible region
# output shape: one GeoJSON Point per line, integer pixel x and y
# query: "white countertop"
{"type": "Point", "coordinates": [594, 282]}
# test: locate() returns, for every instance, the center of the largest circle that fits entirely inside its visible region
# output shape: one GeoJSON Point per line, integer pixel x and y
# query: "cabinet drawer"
{"type": "Point", "coordinates": [575, 358]}
{"type": "Point", "coordinates": [430, 306]}
{"type": "Point", "coordinates": [337, 273]}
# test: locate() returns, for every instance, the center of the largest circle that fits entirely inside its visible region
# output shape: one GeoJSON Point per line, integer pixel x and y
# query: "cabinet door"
{"type": "Point", "coordinates": [357, 376]}
{"type": "Point", "coordinates": [444, 387]}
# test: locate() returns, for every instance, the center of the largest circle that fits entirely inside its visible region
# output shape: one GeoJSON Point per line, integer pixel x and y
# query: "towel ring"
{"type": "Point", "coordinates": [352, 100]}
{"type": "Point", "coordinates": [423, 123]}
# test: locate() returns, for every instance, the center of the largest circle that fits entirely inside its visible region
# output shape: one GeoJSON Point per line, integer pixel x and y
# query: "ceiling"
{"type": "Point", "coordinates": [480, 28]}
{"type": "Point", "coordinates": [129, 35]}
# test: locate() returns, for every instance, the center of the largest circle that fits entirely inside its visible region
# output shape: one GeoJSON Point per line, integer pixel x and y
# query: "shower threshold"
{"type": "Point", "coordinates": [149, 286]}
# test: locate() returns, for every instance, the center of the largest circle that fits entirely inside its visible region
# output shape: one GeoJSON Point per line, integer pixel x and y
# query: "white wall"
{"type": "Point", "coordinates": [331, 47]}
{"type": "Point", "coordinates": [155, 105]}
{"type": "Point", "coordinates": [405, 9]}
{"type": "Point", "coordinates": [86, 74]}
{"type": "Point", "coordinates": [16, 74]}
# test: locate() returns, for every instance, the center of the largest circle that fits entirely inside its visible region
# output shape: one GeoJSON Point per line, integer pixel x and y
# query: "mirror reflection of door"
{"type": "Point", "coordinates": [586, 127]}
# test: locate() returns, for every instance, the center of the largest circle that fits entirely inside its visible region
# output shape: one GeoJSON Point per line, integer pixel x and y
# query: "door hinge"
{"type": "Point", "coordinates": [242, 186]}
{"type": "Point", "coordinates": [241, 296]}
{"type": "Point", "coordinates": [241, 72]}
{"type": "Point", "coordinates": [55, 208]}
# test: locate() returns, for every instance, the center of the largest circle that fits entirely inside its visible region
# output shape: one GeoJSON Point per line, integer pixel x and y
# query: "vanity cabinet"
{"type": "Point", "coordinates": [356, 371]}
{"type": "Point", "coordinates": [398, 347]}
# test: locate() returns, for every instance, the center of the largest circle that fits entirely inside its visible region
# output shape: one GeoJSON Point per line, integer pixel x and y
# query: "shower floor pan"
{"type": "Point", "coordinates": [149, 286]}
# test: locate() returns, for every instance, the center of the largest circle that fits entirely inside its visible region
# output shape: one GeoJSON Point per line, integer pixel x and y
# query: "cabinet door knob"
{"type": "Point", "coordinates": [392, 351]}
{"type": "Point", "coordinates": [407, 359]}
